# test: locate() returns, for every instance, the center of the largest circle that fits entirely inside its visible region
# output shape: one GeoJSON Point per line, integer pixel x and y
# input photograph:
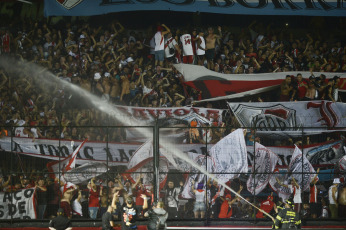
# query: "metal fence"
{"type": "Point", "coordinates": [157, 161]}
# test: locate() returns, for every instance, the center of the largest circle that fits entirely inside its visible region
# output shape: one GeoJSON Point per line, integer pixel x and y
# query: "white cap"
{"type": "Point", "coordinates": [107, 74]}
{"type": "Point", "coordinates": [336, 181]}
{"type": "Point", "coordinates": [97, 76]}
{"type": "Point", "coordinates": [130, 59]}
{"type": "Point", "coordinates": [82, 36]}
{"type": "Point", "coordinates": [260, 37]}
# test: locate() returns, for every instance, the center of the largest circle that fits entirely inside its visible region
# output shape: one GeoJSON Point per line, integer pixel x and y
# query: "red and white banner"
{"type": "Point", "coordinates": [150, 115]}
{"type": "Point", "coordinates": [67, 172]}
{"type": "Point", "coordinates": [18, 205]}
{"type": "Point", "coordinates": [142, 164]}
{"type": "Point", "coordinates": [64, 165]}
{"type": "Point", "coordinates": [213, 84]}
{"type": "Point", "coordinates": [265, 163]}
{"type": "Point", "coordinates": [290, 116]}
{"type": "Point", "coordinates": [325, 153]}
{"type": "Point", "coordinates": [230, 156]}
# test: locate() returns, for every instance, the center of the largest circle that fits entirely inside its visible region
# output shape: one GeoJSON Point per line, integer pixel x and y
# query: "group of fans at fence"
{"type": "Point", "coordinates": [211, 200]}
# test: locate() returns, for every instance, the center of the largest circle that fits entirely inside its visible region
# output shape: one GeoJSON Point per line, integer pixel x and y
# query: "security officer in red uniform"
{"type": "Point", "coordinates": [287, 218]}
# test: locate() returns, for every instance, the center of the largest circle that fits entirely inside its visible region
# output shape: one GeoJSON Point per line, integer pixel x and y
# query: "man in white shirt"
{"type": "Point", "coordinates": [185, 40]}
{"type": "Point", "coordinates": [332, 195]}
{"type": "Point", "coordinates": [296, 191]}
{"type": "Point", "coordinates": [200, 48]}
{"type": "Point", "coordinates": [171, 48]}
{"type": "Point", "coordinates": [160, 44]}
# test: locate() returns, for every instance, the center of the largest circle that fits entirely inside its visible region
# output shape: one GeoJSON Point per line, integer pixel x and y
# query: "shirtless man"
{"type": "Point", "coordinates": [115, 90]}
{"type": "Point", "coordinates": [210, 45]}
{"type": "Point", "coordinates": [310, 92]}
{"type": "Point", "coordinates": [106, 83]}
{"type": "Point", "coordinates": [65, 203]}
{"type": "Point", "coordinates": [125, 92]}
{"type": "Point", "coordinates": [85, 83]}
{"type": "Point", "coordinates": [286, 88]}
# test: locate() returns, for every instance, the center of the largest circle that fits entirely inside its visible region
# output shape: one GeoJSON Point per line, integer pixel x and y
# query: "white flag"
{"type": "Point", "coordinates": [230, 156]}
{"type": "Point", "coordinates": [301, 169]}
{"type": "Point", "coordinates": [283, 192]}
{"type": "Point", "coordinates": [195, 175]}
{"type": "Point", "coordinates": [265, 162]}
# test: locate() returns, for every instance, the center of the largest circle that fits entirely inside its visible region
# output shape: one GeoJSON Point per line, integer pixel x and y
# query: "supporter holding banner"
{"type": "Point", "coordinates": [263, 167]}
{"type": "Point", "coordinates": [18, 205]}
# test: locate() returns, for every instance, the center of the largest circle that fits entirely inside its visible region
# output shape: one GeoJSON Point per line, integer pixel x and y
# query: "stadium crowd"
{"type": "Point", "coordinates": [135, 68]}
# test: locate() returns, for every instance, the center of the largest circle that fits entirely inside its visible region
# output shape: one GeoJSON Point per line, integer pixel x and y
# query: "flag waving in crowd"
{"type": "Point", "coordinates": [300, 164]}
{"type": "Point", "coordinates": [265, 162]}
{"type": "Point", "coordinates": [64, 165]}
{"type": "Point", "coordinates": [230, 156]}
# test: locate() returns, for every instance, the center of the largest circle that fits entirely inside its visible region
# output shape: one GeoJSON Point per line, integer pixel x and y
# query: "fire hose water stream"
{"type": "Point", "coordinates": [47, 80]}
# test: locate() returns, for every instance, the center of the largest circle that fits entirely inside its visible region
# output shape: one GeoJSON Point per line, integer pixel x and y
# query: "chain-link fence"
{"type": "Point", "coordinates": [200, 173]}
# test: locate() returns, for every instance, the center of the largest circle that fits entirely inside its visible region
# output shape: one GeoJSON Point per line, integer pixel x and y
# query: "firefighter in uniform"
{"type": "Point", "coordinates": [287, 218]}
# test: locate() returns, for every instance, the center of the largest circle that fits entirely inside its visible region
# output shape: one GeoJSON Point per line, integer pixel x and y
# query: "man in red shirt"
{"type": "Point", "coordinates": [267, 206]}
{"type": "Point", "coordinates": [301, 87]}
{"type": "Point", "coordinates": [94, 195]}
{"type": "Point", "coordinates": [226, 206]}
{"type": "Point", "coordinates": [139, 191]}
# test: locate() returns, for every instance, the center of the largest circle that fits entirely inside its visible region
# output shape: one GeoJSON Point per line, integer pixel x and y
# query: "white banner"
{"type": "Point", "coordinates": [230, 156]}
{"type": "Point", "coordinates": [300, 164]}
{"type": "Point", "coordinates": [121, 153]}
{"type": "Point", "coordinates": [265, 164]}
{"type": "Point", "coordinates": [18, 205]}
{"type": "Point", "coordinates": [282, 191]}
{"type": "Point", "coordinates": [204, 162]}
{"type": "Point", "coordinates": [167, 116]}
{"type": "Point", "coordinates": [85, 172]}
{"type": "Point", "coordinates": [290, 116]}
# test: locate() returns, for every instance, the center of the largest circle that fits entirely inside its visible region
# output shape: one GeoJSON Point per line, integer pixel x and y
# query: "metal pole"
{"type": "Point", "coordinates": [156, 154]}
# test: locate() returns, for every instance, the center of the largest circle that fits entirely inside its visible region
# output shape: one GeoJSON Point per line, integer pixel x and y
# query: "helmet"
{"type": "Point", "coordinates": [289, 202]}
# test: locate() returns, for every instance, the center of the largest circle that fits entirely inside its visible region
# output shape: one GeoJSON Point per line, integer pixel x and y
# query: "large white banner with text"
{"type": "Point", "coordinates": [18, 205]}
{"type": "Point", "coordinates": [325, 153]}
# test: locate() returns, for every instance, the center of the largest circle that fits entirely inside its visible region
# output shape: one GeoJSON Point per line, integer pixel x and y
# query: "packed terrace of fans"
{"type": "Point", "coordinates": [119, 66]}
